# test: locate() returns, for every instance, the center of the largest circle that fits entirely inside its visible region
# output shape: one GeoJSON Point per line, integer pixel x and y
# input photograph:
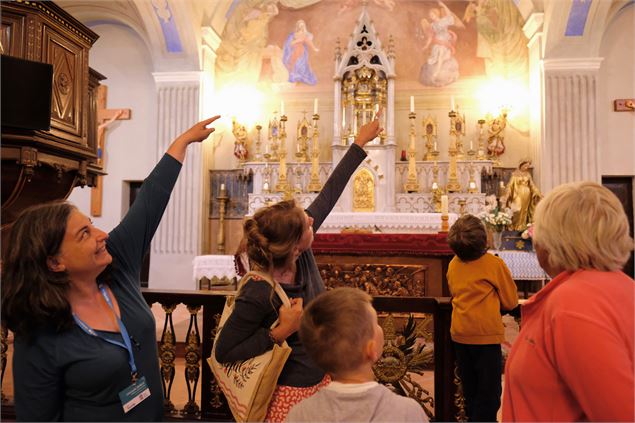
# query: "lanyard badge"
{"type": "Point", "coordinates": [138, 391]}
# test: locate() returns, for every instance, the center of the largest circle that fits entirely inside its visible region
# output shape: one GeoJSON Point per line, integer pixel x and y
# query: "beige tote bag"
{"type": "Point", "coordinates": [248, 385]}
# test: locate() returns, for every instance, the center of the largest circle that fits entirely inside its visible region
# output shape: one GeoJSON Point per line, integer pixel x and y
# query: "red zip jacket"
{"type": "Point", "coordinates": [573, 358]}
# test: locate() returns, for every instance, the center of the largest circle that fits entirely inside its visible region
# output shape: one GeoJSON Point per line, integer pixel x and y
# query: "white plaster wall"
{"type": "Point", "coordinates": [120, 55]}
{"type": "Point", "coordinates": [616, 80]}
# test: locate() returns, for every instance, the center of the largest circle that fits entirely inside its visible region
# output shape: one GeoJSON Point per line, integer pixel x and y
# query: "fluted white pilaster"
{"type": "Point", "coordinates": [337, 112]}
{"type": "Point", "coordinates": [178, 237]}
{"type": "Point", "coordinates": [390, 113]}
{"type": "Point", "coordinates": [570, 150]}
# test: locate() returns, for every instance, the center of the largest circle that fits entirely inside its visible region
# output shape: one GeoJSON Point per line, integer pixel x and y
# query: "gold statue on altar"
{"type": "Point", "coordinates": [522, 196]}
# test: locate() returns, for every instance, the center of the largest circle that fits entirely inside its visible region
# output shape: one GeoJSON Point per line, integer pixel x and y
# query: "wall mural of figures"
{"type": "Point", "coordinates": [244, 43]}
{"type": "Point", "coordinates": [295, 55]}
{"type": "Point", "coordinates": [288, 45]}
{"type": "Point", "coordinates": [440, 67]}
{"type": "Point", "coordinates": [500, 38]}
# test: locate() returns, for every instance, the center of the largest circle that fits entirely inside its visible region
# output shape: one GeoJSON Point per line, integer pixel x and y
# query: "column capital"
{"type": "Point", "coordinates": [178, 78]}
{"type": "Point", "coordinates": [572, 64]}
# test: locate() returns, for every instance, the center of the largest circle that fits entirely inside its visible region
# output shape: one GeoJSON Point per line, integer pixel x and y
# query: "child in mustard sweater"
{"type": "Point", "coordinates": [481, 286]}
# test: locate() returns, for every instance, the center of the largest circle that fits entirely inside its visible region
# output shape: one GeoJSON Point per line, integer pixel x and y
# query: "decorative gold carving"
{"type": "Point", "coordinates": [403, 356]}
{"type": "Point", "coordinates": [283, 183]}
{"type": "Point", "coordinates": [167, 355]}
{"type": "Point", "coordinates": [377, 279]}
{"type": "Point", "coordinates": [192, 363]}
{"type": "Point", "coordinates": [459, 399]}
{"type": "Point", "coordinates": [412, 185]}
{"type": "Point", "coordinates": [363, 94]}
{"type": "Point", "coordinates": [429, 125]}
{"type": "Point", "coordinates": [364, 191]}
{"type": "Point", "coordinates": [453, 184]}
{"type": "Point", "coordinates": [302, 146]}
{"type": "Point", "coordinates": [215, 400]}
{"type": "Point", "coordinates": [314, 184]}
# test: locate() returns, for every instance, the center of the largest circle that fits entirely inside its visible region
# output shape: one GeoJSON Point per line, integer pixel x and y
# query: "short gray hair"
{"type": "Point", "coordinates": [583, 226]}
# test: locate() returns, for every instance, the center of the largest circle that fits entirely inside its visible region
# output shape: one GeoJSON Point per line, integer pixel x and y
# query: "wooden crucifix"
{"type": "Point", "coordinates": [104, 118]}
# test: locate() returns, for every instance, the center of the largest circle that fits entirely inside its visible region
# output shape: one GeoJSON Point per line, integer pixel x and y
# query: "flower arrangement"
{"type": "Point", "coordinates": [495, 217]}
{"type": "Point", "coordinates": [529, 232]}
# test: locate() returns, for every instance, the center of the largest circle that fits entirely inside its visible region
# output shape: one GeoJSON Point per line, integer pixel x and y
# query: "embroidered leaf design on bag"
{"type": "Point", "coordinates": [241, 371]}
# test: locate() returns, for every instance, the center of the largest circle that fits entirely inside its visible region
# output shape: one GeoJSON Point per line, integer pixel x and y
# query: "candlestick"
{"type": "Point", "coordinates": [222, 204]}
{"type": "Point", "coordinates": [412, 104]}
{"type": "Point", "coordinates": [315, 106]}
{"type": "Point", "coordinates": [444, 204]}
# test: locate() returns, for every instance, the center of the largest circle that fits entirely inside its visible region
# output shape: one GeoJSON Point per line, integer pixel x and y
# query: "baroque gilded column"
{"type": "Point", "coordinates": [178, 238]}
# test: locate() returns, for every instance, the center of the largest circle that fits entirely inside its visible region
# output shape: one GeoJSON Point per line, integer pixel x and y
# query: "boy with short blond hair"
{"type": "Point", "coordinates": [481, 286]}
{"type": "Point", "coordinates": [340, 332]}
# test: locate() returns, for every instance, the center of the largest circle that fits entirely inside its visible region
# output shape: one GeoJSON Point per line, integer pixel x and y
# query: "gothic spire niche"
{"type": "Point", "coordinates": [364, 83]}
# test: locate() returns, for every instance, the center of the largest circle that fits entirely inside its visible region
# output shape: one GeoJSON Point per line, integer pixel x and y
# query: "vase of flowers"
{"type": "Point", "coordinates": [528, 234]}
{"type": "Point", "coordinates": [496, 220]}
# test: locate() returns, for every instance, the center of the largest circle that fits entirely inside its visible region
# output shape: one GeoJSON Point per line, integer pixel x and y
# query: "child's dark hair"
{"type": "Point", "coordinates": [468, 238]}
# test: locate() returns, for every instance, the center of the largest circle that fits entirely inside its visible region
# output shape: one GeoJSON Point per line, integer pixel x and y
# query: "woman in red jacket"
{"type": "Point", "coordinates": [573, 358]}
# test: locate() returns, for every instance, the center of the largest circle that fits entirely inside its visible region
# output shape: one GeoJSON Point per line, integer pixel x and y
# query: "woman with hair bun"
{"type": "Point", "coordinates": [277, 240]}
{"type": "Point", "coordinates": [573, 358]}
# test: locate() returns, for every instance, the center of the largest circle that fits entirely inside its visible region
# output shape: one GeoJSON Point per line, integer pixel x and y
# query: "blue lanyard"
{"type": "Point", "coordinates": [124, 333]}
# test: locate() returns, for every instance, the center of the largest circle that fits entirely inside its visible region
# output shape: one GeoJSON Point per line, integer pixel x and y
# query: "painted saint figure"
{"type": "Point", "coordinates": [295, 54]}
{"type": "Point", "coordinates": [440, 67]}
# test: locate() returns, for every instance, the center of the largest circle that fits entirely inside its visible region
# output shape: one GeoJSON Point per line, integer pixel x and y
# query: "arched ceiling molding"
{"type": "Point", "coordinates": [558, 45]}
{"type": "Point", "coordinates": [617, 7]}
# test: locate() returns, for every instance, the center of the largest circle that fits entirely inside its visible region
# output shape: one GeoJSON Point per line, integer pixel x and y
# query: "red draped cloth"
{"type": "Point", "coordinates": [386, 244]}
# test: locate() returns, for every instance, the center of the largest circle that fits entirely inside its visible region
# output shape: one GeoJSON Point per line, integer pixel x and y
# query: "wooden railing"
{"type": "Point", "coordinates": [433, 315]}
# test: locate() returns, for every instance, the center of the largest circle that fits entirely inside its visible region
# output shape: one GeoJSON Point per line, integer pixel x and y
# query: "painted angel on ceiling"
{"type": "Point", "coordinates": [440, 67]}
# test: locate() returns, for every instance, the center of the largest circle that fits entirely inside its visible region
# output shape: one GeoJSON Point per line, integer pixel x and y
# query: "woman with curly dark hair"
{"type": "Point", "coordinates": [85, 339]}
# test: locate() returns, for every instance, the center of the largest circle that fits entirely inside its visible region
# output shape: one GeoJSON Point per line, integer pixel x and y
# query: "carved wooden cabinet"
{"type": "Point", "coordinates": [43, 165]}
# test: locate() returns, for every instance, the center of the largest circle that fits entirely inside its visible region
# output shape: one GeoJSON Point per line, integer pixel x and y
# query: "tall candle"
{"type": "Point", "coordinates": [444, 204]}
{"type": "Point", "coordinates": [435, 146]}
{"type": "Point", "coordinates": [315, 106]}
{"type": "Point", "coordinates": [282, 107]}
{"type": "Point", "coordinates": [471, 145]}
{"type": "Point", "coordinates": [412, 104]}
{"type": "Point", "coordinates": [222, 189]}
{"type": "Point", "coordinates": [452, 103]}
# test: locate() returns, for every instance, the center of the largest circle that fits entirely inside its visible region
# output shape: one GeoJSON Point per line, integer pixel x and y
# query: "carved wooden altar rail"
{"type": "Point", "coordinates": [198, 345]}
